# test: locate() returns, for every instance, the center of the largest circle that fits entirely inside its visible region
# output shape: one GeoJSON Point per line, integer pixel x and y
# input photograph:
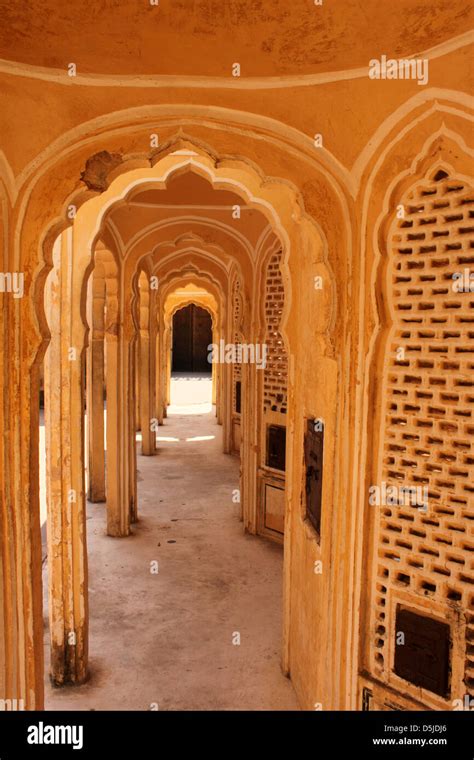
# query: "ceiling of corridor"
{"type": "Point", "coordinates": [269, 37]}
{"type": "Point", "coordinates": [191, 199]}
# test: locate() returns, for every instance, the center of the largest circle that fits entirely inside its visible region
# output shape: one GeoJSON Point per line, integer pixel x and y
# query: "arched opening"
{"type": "Point", "coordinates": [144, 333]}
{"type": "Point", "coordinates": [192, 338]}
{"type": "Point", "coordinates": [298, 234]}
{"type": "Point", "coordinates": [191, 371]}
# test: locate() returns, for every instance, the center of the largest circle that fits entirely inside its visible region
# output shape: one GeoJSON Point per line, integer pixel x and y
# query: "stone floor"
{"type": "Point", "coordinates": [165, 640]}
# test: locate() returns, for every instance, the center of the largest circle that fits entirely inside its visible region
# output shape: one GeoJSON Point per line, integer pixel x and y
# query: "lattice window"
{"type": "Point", "coordinates": [276, 370]}
{"type": "Point", "coordinates": [428, 409]}
{"type": "Point", "coordinates": [236, 324]}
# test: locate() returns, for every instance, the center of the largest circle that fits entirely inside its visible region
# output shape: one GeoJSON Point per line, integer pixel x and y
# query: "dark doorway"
{"type": "Point", "coordinates": [192, 334]}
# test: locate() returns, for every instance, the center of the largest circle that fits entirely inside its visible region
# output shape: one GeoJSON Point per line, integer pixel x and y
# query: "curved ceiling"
{"type": "Point", "coordinates": [205, 37]}
{"type": "Point", "coordinates": [187, 196]}
{"type": "Point", "coordinates": [188, 189]}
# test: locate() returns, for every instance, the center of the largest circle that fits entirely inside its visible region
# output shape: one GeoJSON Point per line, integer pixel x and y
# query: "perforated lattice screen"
{"type": "Point", "coordinates": [276, 370]}
{"type": "Point", "coordinates": [428, 409]}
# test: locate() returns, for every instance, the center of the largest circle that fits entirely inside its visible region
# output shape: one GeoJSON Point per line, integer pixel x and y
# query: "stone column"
{"type": "Point", "coordinates": [119, 399]}
{"type": "Point", "coordinates": [21, 620]}
{"type": "Point", "coordinates": [130, 411]}
{"type": "Point", "coordinates": [218, 371]}
{"type": "Point", "coordinates": [169, 367]}
{"type": "Point", "coordinates": [146, 376]}
{"type": "Point", "coordinates": [137, 387]}
{"type": "Point", "coordinates": [249, 432]}
{"type": "Point", "coordinates": [159, 373]}
{"type": "Point", "coordinates": [95, 385]}
{"type": "Point", "coordinates": [163, 368]}
{"type": "Point", "coordinates": [64, 414]}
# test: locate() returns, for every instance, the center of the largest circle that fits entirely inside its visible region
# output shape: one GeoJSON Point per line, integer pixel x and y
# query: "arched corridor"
{"type": "Point", "coordinates": [236, 357]}
{"type": "Point", "coordinates": [165, 380]}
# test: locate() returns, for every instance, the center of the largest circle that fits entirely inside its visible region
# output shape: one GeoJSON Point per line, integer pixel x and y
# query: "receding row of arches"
{"type": "Point", "coordinates": [332, 325]}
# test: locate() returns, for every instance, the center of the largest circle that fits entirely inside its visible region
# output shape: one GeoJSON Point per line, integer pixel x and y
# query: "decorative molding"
{"type": "Point", "coordinates": [143, 81]}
